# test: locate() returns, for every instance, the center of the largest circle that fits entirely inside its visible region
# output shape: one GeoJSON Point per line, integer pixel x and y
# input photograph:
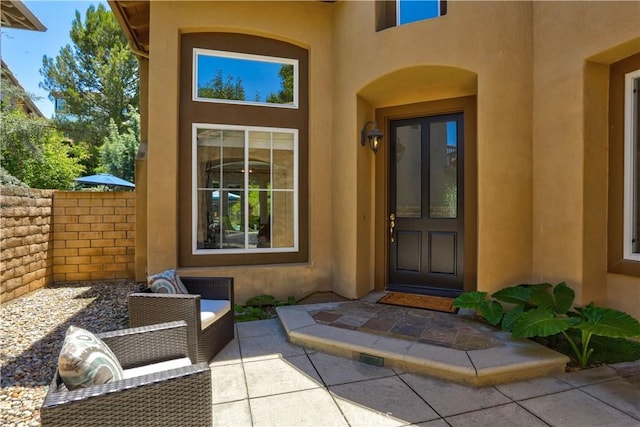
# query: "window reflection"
{"type": "Point", "coordinates": [246, 189]}
{"type": "Point", "coordinates": [232, 77]}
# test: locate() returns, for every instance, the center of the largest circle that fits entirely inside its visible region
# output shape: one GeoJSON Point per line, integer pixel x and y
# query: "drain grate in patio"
{"type": "Point", "coordinates": [442, 329]}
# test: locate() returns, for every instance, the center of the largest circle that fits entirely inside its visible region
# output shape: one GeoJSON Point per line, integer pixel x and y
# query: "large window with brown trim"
{"type": "Point", "coordinates": [243, 151]}
{"type": "Point", "coordinates": [624, 167]}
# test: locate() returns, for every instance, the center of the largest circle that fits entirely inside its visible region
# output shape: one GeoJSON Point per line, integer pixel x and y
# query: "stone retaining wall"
{"type": "Point", "coordinates": [93, 235]}
{"type": "Point", "coordinates": [52, 236]}
{"type": "Point", "coordinates": [26, 249]}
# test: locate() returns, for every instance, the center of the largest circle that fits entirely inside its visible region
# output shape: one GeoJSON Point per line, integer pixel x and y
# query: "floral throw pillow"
{"type": "Point", "coordinates": [167, 282]}
{"type": "Point", "coordinates": [85, 360]}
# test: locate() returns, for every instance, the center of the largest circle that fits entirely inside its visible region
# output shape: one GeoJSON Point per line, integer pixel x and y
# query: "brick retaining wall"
{"type": "Point", "coordinates": [52, 236]}
{"type": "Point", "coordinates": [93, 235]}
{"type": "Point", "coordinates": [26, 250]}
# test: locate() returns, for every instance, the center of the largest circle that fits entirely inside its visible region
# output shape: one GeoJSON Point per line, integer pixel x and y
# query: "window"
{"type": "Point", "coordinates": [631, 234]}
{"type": "Point", "coordinates": [243, 151]}
{"type": "Point", "coordinates": [241, 78]}
{"type": "Point", "coordinates": [245, 189]}
{"type": "Point", "coordinates": [623, 216]}
{"type": "Point", "coordinates": [401, 12]}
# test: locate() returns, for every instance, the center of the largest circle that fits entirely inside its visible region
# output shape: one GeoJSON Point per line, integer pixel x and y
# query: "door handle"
{"type": "Point", "coordinates": [392, 227]}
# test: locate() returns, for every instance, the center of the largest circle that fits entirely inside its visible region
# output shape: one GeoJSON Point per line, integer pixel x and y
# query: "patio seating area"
{"type": "Point", "coordinates": [262, 378]}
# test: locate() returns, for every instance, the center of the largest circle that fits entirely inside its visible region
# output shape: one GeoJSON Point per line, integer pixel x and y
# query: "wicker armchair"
{"type": "Point", "coordinates": [180, 396]}
{"type": "Point", "coordinates": [147, 308]}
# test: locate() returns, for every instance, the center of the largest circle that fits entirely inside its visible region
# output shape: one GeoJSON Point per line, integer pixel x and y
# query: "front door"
{"type": "Point", "coordinates": [426, 212]}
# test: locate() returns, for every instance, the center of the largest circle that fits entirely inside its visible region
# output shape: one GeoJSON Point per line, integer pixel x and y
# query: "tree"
{"type": "Point", "coordinates": [97, 77]}
{"type": "Point", "coordinates": [218, 88]}
{"type": "Point", "coordinates": [35, 153]}
{"type": "Point", "coordinates": [285, 95]}
{"type": "Point", "coordinates": [118, 153]}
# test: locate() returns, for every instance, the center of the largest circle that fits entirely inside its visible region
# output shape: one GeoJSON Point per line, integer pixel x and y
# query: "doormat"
{"type": "Point", "coordinates": [419, 301]}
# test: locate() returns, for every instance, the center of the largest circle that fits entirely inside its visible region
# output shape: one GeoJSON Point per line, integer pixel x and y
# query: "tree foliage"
{"type": "Point", "coordinates": [96, 76]}
{"type": "Point", "coordinates": [220, 88]}
{"type": "Point", "coordinates": [36, 153]}
{"type": "Point", "coordinates": [285, 95]}
{"type": "Point", "coordinates": [118, 153]}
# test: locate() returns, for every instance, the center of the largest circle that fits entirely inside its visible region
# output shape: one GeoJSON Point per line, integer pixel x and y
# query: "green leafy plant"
{"type": "Point", "coordinates": [543, 310]}
{"type": "Point", "coordinates": [260, 307]}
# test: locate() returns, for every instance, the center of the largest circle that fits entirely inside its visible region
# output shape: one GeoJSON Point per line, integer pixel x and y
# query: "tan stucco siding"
{"type": "Point", "coordinates": [500, 56]}
{"type": "Point", "coordinates": [569, 216]}
{"type": "Point", "coordinates": [278, 20]}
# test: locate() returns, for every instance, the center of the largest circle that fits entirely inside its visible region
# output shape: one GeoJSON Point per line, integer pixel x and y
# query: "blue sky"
{"type": "Point", "coordinates": [23, 50]}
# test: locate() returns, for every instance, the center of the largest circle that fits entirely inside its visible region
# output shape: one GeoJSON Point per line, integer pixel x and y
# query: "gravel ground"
{"type": "Point", "coordinates": [32, 329]}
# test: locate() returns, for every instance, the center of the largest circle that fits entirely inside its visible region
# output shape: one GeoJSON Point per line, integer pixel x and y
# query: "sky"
{"type": "Point", "coordinates": [23, 50]}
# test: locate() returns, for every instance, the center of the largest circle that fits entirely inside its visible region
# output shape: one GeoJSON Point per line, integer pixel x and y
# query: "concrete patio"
{"type": "Point", "coordinates": [261, 379]}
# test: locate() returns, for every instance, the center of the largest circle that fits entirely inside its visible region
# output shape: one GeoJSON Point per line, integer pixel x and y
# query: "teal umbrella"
{"type": "Point", "coordinates": [104, 179]}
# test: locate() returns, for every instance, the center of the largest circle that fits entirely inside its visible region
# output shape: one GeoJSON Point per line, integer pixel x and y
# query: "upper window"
{"type": "Point", "coordinates": [631, 234]}
{"type": "Point", "coordinates": [245, 189]}
{"type": "Point", "coordinates": [241, 78]}
{"type": "Point", "coordinates": [400, 12]}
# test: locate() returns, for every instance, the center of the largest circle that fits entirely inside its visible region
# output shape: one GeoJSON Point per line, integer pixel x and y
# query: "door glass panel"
{"type": "Point", "coordinates": [443, 183]}
{"type": "Point", "coordinates": [408, 171]}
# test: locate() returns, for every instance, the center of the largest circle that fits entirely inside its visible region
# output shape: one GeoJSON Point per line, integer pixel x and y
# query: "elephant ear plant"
{"type": "Point", "coordinates": [542, 310]}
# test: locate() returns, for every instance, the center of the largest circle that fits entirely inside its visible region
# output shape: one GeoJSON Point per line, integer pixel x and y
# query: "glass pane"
{"type": "Point", "coordinates": [259, 218]}
{"type": "Point", "coordinates": [409, 171]}
{"type": "Point", "coordinates": [232, 159]}
{"type": "Point", "coordinates": [417, 10]}
{"type": "Point", "coordinates": [208, 161]}
{"type": "Point", "coordinates": [243, 78]}
{"type": "Point", "coordinates": [208, 222]}
{"type": "Point", "coordinates": [232, 219]}
{"type": "Point", "coordinates": [443, 182]}
{"type": "Point", "coordinates": [282, 221]}
{"type": "Point", "coordinates": [283, 150]}
{"type": "Point", "coordinates": [260, 159]}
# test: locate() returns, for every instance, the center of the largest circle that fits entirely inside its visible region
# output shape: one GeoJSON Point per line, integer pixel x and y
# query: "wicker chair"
{"type": "Point", "coordinates": [147, 308]}
{"type": "Point", "coordinates": [180, 396]}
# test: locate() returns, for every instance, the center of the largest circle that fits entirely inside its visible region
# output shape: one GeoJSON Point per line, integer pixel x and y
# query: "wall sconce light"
{"type": "Point", "coordinates": [374, 136]}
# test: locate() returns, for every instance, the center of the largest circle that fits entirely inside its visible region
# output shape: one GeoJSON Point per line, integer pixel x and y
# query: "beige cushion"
{"type": "Point", "coordinates": [211, 310]}
{"type": "Point", "coordinates": [154, 368]}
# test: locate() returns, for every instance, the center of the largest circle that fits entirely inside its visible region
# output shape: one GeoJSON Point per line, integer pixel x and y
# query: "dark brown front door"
{"type": "Point", "coordinates": [426, 212]}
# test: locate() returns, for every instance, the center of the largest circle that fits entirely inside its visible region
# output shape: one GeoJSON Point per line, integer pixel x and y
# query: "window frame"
{"type": "Point", "coordinates": [617, 262]}
{"type": "Point", "coordinates": [631, 166]}
{"type": "Point", "coordinates": [194, 183]}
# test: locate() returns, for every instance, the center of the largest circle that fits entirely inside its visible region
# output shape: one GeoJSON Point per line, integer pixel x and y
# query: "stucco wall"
{"type": "Point", "coordinates": [574, 42]}
{"type": "Point", "coordinates": [538, 71]}
{"type": "Point", "coordinates": [279, 20]}
{"type": "Point", "coordinates": [417, 63]}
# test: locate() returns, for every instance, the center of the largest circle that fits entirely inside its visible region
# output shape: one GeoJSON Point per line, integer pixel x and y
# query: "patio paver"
{"type": "Point", "coordinates": [283, 384]}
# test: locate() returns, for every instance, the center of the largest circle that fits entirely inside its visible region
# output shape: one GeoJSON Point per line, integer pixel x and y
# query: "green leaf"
{"type": "Point", "coordinates": [511, 317]}
{"type": "Point", "coordinates": [608, 322]}
{"type": "Point", "coordinates": [541, 322]}
{"type": "Point", "coordinates": [560, 301]}
{"type": "Point", "coordinates": [514, 294]}
{"type": "Point", "coordinates": [472, 300]}
{"type": "Point", "coordinates": [492, 311]}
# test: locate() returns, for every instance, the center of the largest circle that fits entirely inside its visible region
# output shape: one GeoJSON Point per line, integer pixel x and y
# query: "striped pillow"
{"type": "Point", "coordinates": [86, 361]}
{"type": "Point", "coordinates": [167, 282]}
